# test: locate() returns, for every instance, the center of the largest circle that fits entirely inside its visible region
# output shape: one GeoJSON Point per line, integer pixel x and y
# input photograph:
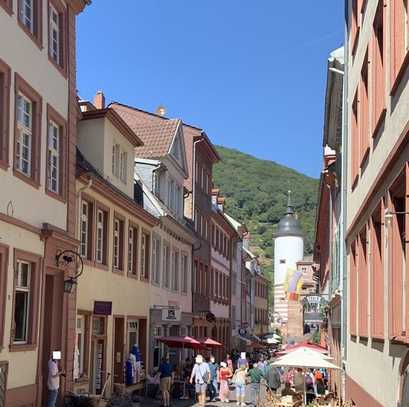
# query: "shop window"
{"type": "Point", "coordinates": [98, 326]}
{"type": "Point", "coordinates": [133, 337]}
{"type": "Point", "coordinates": [82, 333]}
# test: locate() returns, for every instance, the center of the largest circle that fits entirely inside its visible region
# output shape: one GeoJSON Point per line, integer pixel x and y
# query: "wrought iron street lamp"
{"type": "Point", "coordinates": [64, 260]}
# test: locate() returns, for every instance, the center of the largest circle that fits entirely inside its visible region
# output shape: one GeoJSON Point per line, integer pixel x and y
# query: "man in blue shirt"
{"type": "Point", "coordinates": [212, 386]}
{"type": "Point", "coordinates": [166, 372]}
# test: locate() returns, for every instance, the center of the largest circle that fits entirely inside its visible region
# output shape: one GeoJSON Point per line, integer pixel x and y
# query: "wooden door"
{"type": "Point", "coordinates": [119, 346]}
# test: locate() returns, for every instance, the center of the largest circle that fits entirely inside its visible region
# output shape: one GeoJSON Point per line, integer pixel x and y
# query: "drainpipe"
{"type": "Point", "coordinates": [344, 173]}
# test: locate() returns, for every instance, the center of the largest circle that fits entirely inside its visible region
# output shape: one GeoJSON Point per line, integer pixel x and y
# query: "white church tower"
{"type": "Point", "coordinates": [288, 250]}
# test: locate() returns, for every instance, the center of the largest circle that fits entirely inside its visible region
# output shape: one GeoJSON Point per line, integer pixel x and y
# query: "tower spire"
{"type": "Point", "coordinates": [290, 209]}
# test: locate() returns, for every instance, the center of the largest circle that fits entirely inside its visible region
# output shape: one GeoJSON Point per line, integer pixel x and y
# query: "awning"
{"type": "Point", "coordinates": [186, 342]}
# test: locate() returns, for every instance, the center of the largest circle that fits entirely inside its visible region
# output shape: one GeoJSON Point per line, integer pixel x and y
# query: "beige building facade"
{"type": "Point", "coordinates": [38, 118]}
{"type": "Point", "coordinates": [115, 235]}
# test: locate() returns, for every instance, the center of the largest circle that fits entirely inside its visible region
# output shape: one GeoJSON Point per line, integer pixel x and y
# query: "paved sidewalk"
{"type": "Point", "coordinates": [185, 403]}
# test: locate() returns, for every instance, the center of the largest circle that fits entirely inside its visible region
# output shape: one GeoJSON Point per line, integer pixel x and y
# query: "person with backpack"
{"type": "Point", "coordinates": [310, 386]}
{"type": "Point", "coordinates": [273, 377]}
{"type": "Point", "coordinates": [239, 380]}
{"type": "Point", "coordinates": [201, 375]}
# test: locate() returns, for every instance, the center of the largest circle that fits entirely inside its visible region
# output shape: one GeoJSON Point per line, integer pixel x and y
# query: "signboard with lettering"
{"type": "Point", "coordinates": [314, 309]}
{"type": "Point", "coordinates": [171, 314]}
{"type": "Point", "coordinates": [103, 307]}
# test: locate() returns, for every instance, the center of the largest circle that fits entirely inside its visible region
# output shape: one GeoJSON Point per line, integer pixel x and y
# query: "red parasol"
{"type": "Point", "coordinates": [186, 342]}
{"type": "Point", "coordinates": [211, 343]}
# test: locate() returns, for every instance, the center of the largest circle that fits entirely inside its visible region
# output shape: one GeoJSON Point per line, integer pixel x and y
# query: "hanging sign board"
{"type": "Point", "coordinates": [171, 315]}
{"type": "Point", "coordinates": [103, 307]}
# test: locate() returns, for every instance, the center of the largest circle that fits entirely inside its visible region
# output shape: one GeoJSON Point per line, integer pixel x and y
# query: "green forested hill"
{"type": "Point", "coordinates": [256, 194]}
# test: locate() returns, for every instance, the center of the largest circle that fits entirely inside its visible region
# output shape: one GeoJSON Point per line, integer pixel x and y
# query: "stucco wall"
{"type": "Point", "coordinates": [22, 365]}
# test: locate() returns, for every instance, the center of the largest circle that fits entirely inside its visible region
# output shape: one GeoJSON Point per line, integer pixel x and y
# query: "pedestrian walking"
{"type": "Point", "coordinates": [239, 380]}
{"type": "Point", "coordinates": [53, 381]}
{"type": "Point", "coordinates": [255, 375]}
{"type": "Point", "coordinates": [273, 377]}
{"type": "Point", "coordinates": [225, 373]}
{"type": "Point", "coordinates": [243, 360]}
{"type": "Point", "coordinates": [201, 376]}
{"type": "Point", "coordinates": [229, 362]}
{"type": "Point", "coordinates": [166, 372]}
{"type": "Point", "coordinates": [214, 372]}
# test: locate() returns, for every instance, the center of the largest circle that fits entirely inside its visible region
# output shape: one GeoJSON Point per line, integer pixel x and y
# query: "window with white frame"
{"type": "Point", "coordinates": [24, 140]}
{"type": "Point", "coordinates": [133, 337]}
{"type": "Point", "coordinates": [117, 231]}
{"type": "Point", "coordinates": [166, 266]}
{"type": "Point", "coordinates": [145, 259]}
{"type": "Point", "coordinates": [100, 241]}
{"type": "Point", "coordinates": [185, 275]}
{"type": "Point", "coordinates": [22, 302]}
{"type": "Point", "coordinates": [156, 259]}
{"type": "Point", "coordinates": [115, 159]}
{"type": "Point", "coordinates": [53, 164]}
{"type": "Point", "coordinates": [54, 35]}
{"type": "Point", "coordinates": [85, 229]}
{"type": "Point", "coordinates": [123, 166]}
{"type": "Point", "coordinates": [132, 250]}
{"type": "Point", "coordinates": [175, 270]}
{"type": "Point", "coordinates": [26, 14]}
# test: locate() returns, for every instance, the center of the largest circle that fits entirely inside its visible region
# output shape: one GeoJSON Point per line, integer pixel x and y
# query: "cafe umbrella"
{"type": "Point", "coordinates": [305, 359]}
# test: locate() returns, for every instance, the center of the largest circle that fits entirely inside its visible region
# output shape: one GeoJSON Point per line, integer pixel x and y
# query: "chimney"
{"type": "Point", "coordinates": [99, 100]}
{"type": "Point", "coordinates": [161, 111]}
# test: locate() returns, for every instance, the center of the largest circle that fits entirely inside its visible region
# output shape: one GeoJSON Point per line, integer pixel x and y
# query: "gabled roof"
{"type": "Point", "coordinates": [156, 132]}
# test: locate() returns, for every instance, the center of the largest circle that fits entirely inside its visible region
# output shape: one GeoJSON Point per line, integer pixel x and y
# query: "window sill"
{"type": "Point", "coordinates": [31, 181]}
{"type": "Point", "coordinates": [55, 196]}
{"type": "Point", "coordinates": [61, 69]}
{"type": "Point", "coordinates": [22, 348]}
{"type": "Point", "coordinates": [119, 272]}
{"type": "Point", "coordinates": [132, 275]}
{"type": "Point", "coordinates": [36, 39]}
{"type": "Point", "coordinates": [101, 266]}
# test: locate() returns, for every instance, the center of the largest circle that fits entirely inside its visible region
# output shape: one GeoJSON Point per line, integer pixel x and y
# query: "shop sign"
{"type": "Point", "coordinates": [103, 307]}
{"type": "Point", "coordinates": [313, 317]}
{"type": "Point", "coordinates": [171, 315]}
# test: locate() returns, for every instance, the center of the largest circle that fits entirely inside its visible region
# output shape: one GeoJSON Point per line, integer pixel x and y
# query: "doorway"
{"type": "Point", "coordinates": [52, 320]}
{"type": "Point", "coordinates": [98, 351]}
{"type": "Point", "coordinates": [119, 345]}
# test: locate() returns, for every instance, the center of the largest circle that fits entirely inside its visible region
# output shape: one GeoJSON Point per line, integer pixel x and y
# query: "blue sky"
{"type": "Point", "coordinates": [250, 72]}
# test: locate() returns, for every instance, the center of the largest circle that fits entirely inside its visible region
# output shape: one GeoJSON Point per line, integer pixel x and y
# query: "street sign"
{"type": "Point", "coordinates": [103, 307]}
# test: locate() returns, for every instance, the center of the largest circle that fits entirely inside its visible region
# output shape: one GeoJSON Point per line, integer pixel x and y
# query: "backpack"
{"type": "Point", "coordinates": [308, 380]}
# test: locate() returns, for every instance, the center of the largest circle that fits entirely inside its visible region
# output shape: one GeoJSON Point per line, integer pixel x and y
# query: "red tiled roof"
{"type": "Point", "coordinates": [156, 132]}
